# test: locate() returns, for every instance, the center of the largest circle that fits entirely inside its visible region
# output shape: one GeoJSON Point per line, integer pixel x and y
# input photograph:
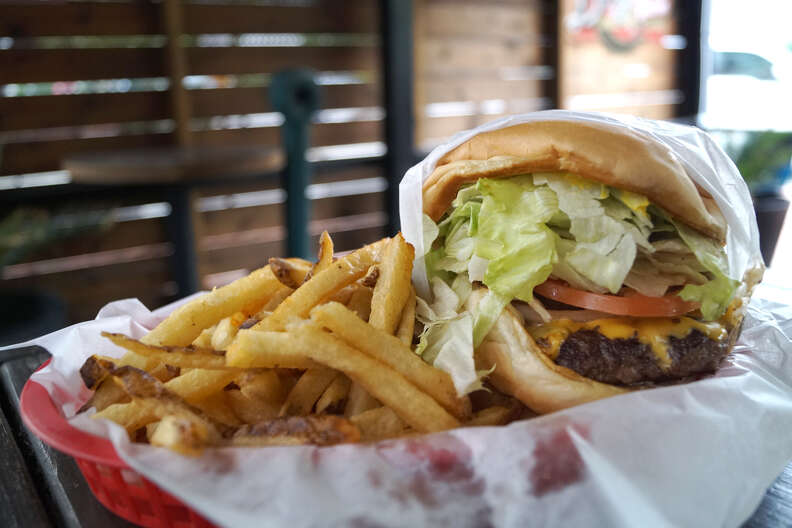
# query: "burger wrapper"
{"type": "Point", "coordinates": [699, 454]}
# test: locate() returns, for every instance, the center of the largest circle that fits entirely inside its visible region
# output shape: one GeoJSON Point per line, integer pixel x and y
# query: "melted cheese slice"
{"type": "Point", "coordinates": [649, 331]}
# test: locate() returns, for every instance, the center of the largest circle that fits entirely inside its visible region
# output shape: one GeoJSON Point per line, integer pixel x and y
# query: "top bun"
{"type": "Point", "coordinates": [617, 156]}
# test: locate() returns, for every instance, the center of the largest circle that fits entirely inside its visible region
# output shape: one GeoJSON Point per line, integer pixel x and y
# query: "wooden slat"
{"type": "Point", "coordinates": [44, 65]}
{"type": "Point", "coordinates": [510, 22]}
{"type": "Point", "coordinates": [249, 257]}
{"type": "Point", "coordinates": [83, 18]}
{"type": "Point", "coordinates": [255, 255]}
{"type": "Point", "coordinates": [135, 18]}
{"type": "Point", "coordinates": [214, 61]}
{"type": "Point", "coordinates": [648, 111]}
{"type": "Point", "coordinates": [119, 235]}
{"type": "Point", "coordinates": [356, 16]}
{"type": "Point", "coordinates": [457, 55]}
{"type": "Point", "coordinates": [436, 91]}
{"type": "Point", "coordinates": [230, 101]}
{"type": "Point", "coordinates": [19, 158]}
{"type": "Point", "coordinates": [321, 134]}
{"type": "Point", "coordinates": [19, 113]}
{"type": "Point", "coordinates": [444, 127]}
{"type": "Point", "coordinates": [243, 219]}
{"type": "Point", "coordinates": [226, 221]}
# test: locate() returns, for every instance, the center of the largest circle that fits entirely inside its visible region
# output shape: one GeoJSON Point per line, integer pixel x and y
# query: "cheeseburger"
{"type": "Point", "coordinates": [586, 261]}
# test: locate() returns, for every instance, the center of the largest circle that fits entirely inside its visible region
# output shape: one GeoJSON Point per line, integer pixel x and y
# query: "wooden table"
{"type": "Point", "coordinates": [40, 486]}
{"type": "Point", "coordinates": [176, 171]}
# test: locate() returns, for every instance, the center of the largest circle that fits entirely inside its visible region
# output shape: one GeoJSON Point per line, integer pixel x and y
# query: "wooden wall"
{"type": "Point", "coordinates": [91, 76]}
{"type": "Point", "coordinates": [476, 61]}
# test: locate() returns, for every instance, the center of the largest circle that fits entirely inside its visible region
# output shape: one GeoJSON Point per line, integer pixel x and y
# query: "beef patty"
{"type": "Point", "coordinates": [629, 361]}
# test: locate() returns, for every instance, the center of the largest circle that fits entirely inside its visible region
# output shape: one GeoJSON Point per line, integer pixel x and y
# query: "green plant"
{"type": "Point", "coordinates": [763, 159]}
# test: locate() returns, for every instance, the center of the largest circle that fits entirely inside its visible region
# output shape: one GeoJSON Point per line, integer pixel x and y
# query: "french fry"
{"type": "Point", "coordinates": [184, 434]}
{"type": "Point", "coordinates": [370, 279]}
{"type": "Point", "coordinates": [344, 294]}
{"type": "Point", "coordinates": [107, 393]}
{"type": "Point", "coordinates": [150, 430]}
{"type": "Point", "coordinates": [406, 329]}
{"type": "Point", "coordinates": [132, 416]}
{"type": "Point", "coordinates": [495, 415]}
{"type": "Point", "coordinates": [251, 410]}
{"type": "Point", "coordinates": [412, 405]}
{"type": "Point", "coordinates": [246, 295]}
{"type": "Point", "coordinates": [322, 286]}
{"type": "Point", "coordinates": [262, 385]}
{"type": "Point", "coordinates": [186, 357]}
{"type": "Point", "coordinates": [334, 396]}
{"type": "Point", "coordinates": [216, 407]}
{"type": "Point", "coordinates": [198, 384]}
{"type": "Point", "coordinates": [226, 330]}
{"type": "Point", "coordinates": [393, 286]}
{"type": "Point", "coordinates": [307, 391]}
{"type": "Point", "coordinates": [359, 401]}
{"type": "Point", "coordinates": [250, 349]}
{"type": "Point", "coordinates": [192, 387]}
{"type": "Point", "coordinates": [266, 310]}
{"type": "Point", "coordinates": [378, 424]}
{"type": "Point", "coordinates": [297, 430]}
{"type": "Point", "coordinates": [360, 302]}
{"type": "Point", "coordinates": [391, 351]}
{"type": "Point", "coordinates": [324, 258]}
{"type": "Point", "coordinates": [204, 340]}
{"type": "Point", "coordinates": [289, 274]}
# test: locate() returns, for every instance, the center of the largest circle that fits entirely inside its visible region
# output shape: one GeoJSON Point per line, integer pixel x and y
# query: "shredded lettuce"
{"type": "Point", "coordinates": [447, 339]}
{"type": "Point", "coordinates": [716, 294]}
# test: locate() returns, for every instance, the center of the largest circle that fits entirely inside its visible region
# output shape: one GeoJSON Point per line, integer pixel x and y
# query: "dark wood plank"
{"type": "Point", "coordinates": [49, 65]}
{"type": "Point", "coordinates": [56, 18]}
{"type": "Point", "coordinates": [214, 61]}
{"type": "Point", "coordinates": [172, 164]}
{"type": "Point", "coordinates": [475, 89]}
{"type": "Point", "coordinates": [64, 490]}
{"type": "Point", "coordinates": [326, 16]}
{"type": "Point", "coordinates": [320, 134]}
{"type": "Point", "coordinates": [230, 101]}
{"type": "Point", "coordinates": [445, 55]}
{"type": "Point", "coordinates": [20, 158]}
{"type": "Point", "coordinates": [19, 500]}
{"type": "Point", "coordinates": [20, 113]}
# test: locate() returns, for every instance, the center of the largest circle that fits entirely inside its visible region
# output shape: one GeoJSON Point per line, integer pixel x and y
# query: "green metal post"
{"type": "Point", "coordinates": [295, 94]}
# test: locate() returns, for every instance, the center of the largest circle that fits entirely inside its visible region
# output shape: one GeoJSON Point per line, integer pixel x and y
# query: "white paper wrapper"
{"type": "Point", "coordinates": [700, 454]}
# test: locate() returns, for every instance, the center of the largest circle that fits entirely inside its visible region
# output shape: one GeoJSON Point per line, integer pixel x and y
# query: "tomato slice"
{"type": "Point", "coordinates": [633, 304]}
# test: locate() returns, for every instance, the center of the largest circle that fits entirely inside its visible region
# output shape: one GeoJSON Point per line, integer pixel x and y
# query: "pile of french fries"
{"type": "Point", "coordinates": [294, 353]}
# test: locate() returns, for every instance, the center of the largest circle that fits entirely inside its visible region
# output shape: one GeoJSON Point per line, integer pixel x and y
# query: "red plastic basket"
{"type": "Point", "coordinates": [120, 488]}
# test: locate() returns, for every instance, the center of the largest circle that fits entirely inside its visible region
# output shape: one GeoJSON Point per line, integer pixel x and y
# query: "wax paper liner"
{"type": "Point", "coordinates": [699, 454]}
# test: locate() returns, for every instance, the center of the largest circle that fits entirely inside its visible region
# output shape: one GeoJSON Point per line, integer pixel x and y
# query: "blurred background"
{"type": "Point", "coordinates": [152, 149]}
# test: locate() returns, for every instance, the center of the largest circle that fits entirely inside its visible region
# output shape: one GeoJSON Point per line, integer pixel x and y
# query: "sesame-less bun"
{"type": "Point", "coordinates": [610, 154]}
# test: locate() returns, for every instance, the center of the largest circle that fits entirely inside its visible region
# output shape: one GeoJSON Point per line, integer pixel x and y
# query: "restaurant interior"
{"type": "Point", "coordinates": [154, 149]}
